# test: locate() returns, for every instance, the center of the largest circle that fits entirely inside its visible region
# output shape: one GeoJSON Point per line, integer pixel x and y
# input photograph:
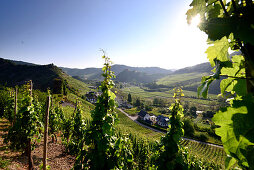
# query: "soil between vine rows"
{"type": "Point", "coordinates": [57, 157]}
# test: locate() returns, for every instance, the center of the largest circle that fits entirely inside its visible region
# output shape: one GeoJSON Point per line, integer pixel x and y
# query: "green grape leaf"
{"type": "Point", "coordinates": [203, 88]}
{"type": "Point", "coordinates": [226, 85]}
{"type": "Point", "coordinates": [240, 87]}
{"type": "Point", "coordinates": [216, 28]}
{"type": "Point", "coordinates": [229, 71]}
{"type": "Point", "coordinates": [218, 51]}
{"type": "Point", "coordinates": [198, 7]}
{"type": "Point", "coordinates": [236, 128]}
{"type": "Point", "coordinates": [229, 162]}
{"type": "Point", "coordinates": [214, 11]}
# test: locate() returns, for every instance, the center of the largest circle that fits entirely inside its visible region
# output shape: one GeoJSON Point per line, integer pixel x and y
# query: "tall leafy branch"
{"type": "Point", "coordinates": [105, 149]}
{"type": "Point", "coordinates": [170, 151]}
{"type": "Point", "coordinates": [230, 25]}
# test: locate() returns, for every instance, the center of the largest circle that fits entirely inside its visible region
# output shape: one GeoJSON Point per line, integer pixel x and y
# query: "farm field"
{"type": "Point", "coordinates": [139, 92]}
{"type": "Point", "coordinates": [166, 94]}
{"type": "Point", "coordinates": [178, 78]}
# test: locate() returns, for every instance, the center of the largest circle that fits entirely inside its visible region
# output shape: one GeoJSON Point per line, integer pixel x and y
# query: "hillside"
{"type": "Point", "coordinates": [137, 77]}
{"type": "Point", "coordinates": [95, 73]}
{"type": "Point", "coordinates": [13, 74]}
{"type": "Point", "coordinates": [43, 76]}
{"type": "Point", "coordinates": [190, 78]}
{"type": "Point", "coordinates": [199, 68]}
{"type": "Point", "coordinates": [22, 63]}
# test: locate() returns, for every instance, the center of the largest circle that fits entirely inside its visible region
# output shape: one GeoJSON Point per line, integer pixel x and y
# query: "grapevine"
{"type": "Point", "coordinates": [229, 25]}
{"type": "Point", "coordinates": [105, 150]}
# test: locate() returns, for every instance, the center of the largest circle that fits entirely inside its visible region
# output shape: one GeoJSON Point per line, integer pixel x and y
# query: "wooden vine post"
{"type": "Point", "coordinates": [46, 135]}
{"type": "Point", "coordinates": [30, 160]}
{"type": "Point", "coordinates": [75, 107]}
{"type": "Point", "coordinates": [15, 104]}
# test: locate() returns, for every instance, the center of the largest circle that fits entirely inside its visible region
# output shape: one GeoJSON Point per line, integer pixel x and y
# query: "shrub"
{"type": "Point", "coordinates": [188, 127]}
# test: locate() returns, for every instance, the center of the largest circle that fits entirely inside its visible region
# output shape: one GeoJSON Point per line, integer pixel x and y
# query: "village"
{"type": "Point", "coordinates": [143, 116]}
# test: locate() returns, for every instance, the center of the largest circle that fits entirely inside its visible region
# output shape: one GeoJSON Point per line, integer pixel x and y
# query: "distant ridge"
{"type": "Point", "coordinates": [137, 77]}
{"type": "Point", "coordinates": [95, 73]}
{"type": "Point", "coordinates": [199, 68]}
{"type": "Point", "coordinates": [13, 72]}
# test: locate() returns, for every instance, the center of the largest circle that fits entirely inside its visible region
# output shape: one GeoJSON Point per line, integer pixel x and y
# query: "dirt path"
{"type": "Point", "coordinates": [57, 158]}
{"type": "Point", "coordinates": [131, 117]}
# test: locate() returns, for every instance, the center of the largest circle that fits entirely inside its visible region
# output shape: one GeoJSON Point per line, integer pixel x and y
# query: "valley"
{"type": "Point", "coordinates": [70, 89]}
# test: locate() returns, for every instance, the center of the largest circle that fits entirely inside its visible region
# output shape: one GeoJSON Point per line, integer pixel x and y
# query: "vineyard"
{"type": "Point", "coordinates": [125, 143]}
{"type": "Point", "coordinates": [205, 152]}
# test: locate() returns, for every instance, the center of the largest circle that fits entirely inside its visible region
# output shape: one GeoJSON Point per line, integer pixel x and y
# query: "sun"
{"type": "Point", "coordinates": [195, 21]}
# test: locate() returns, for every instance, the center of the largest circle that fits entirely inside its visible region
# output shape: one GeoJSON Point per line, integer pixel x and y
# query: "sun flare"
{"type": "Point", "coordinates": [195, 20]}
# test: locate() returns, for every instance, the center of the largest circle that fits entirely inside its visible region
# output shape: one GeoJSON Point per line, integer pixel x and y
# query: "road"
{"type": "Point", "coordinates": [134, 118]}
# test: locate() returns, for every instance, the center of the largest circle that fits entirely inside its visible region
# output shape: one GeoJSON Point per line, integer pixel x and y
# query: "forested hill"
{"type": "Point", "coordinates": [199, 68]}
{"type": "Point", "coordinates": [95, 73]}
{"type": "Point", "coordinates": [12, 74]}
{"type": "Point", "coordinates": [137, 77]}
{"type": "Point", "coordinates": [22, 63]}
{"type": "Point", "coordinates": [190, 78]}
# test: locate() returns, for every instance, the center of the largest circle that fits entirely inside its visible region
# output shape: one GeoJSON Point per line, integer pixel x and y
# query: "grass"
{"type": "Point", "coordinates": [132, 112]}
{"type": "Point", "coordinates": [188, 95]}
{"type": "Point", "coordinates": [128, 126]}
{"type": "Point", "coordinates": [178, 78]}
{"type": "Point", "coordinates": [166, 94]}
{"type": "Point", "coordinates": [76, 84]}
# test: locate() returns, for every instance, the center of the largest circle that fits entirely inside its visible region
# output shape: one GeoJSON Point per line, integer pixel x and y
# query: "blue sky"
{"type": "Point", "coordinates": [71, 32]}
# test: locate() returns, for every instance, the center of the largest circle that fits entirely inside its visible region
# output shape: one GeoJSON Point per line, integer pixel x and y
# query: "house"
{"type": "Point", "coordinates": [147, 117]}
{"type": "Point", "coordinates": [153, 119]}
{"type": "Point", "coordinates": [143, 115]}
{"type": "Point", "coordinates": [92, 96]}
{"type": "Point", "coordinates": [92, 87]}
{"type": "Point", "coordinates": [162, 121]}
{"type": "Point", "coordinates": [198, 112]}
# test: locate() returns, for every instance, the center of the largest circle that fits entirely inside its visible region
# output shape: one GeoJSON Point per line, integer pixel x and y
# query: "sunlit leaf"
{"type": "Point", "coordinates": [226, 85]}
{"type": "Point", "coordinates": [236, 128]}
{"type": "Point", "coordinates": [203, 88]}
{"type": "Point", "coordinates": [230, 161]}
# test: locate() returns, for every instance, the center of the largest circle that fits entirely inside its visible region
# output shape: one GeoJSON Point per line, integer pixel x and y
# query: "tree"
{"type": "Point", "coordinates": [188, 127]}
{"type": "Point", "coordinates": [230, 25]}
{"type": "Point", "coordinates": [129, 98]}
{"type": "Point", "coordinates": [193, 111]}
{"type": "Point", "coordinates": [137, 103]}
{"type": "Point", "coordinates": [58, 85]}
{"type": "Point", "coordinates": [186, 107]}
{"type": "Point", "coordinates": [155, 101]}
{"type": "Point", "coordinates": [65, 83]}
